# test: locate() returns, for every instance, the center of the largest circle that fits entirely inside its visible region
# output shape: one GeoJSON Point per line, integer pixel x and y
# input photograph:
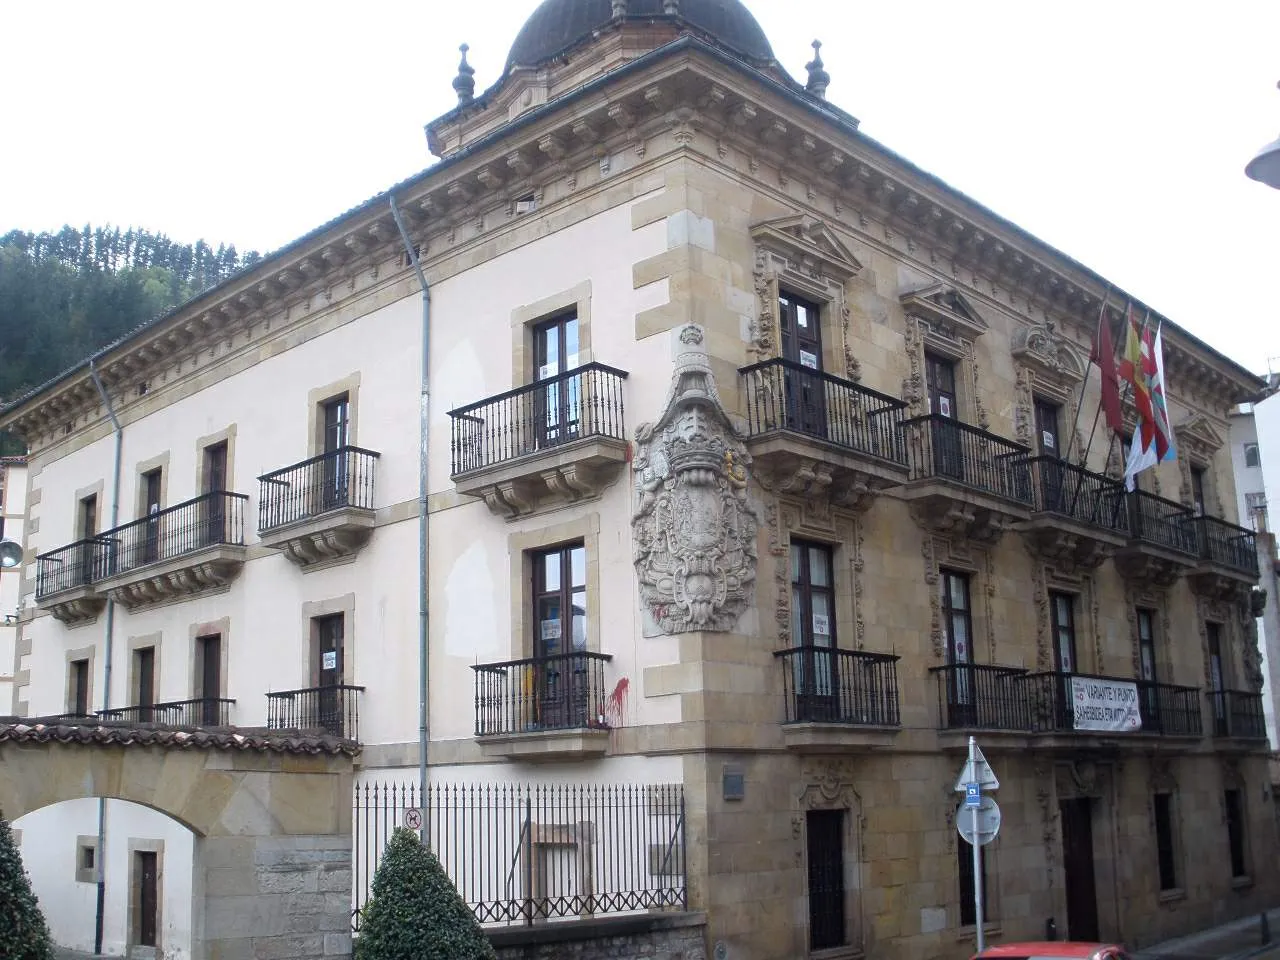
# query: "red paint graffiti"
{"type": "Point", "coordinates": [616, 707]}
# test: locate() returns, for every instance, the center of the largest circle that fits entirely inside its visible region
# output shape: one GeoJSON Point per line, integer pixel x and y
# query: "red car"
{"type": "Point", "coordinates": [1053, 951]}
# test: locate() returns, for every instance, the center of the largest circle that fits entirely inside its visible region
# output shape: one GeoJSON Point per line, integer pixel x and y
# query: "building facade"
{"type": "Point", "coordinates": [757, 468]}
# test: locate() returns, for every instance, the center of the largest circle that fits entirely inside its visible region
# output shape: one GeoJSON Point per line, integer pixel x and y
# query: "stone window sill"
{"type": "Point", "coordinates": [1241, 883]}
{"type": "Point", "coordinates": [1172, 896]}
{"type": "Point", "coordinates": [970, 932]}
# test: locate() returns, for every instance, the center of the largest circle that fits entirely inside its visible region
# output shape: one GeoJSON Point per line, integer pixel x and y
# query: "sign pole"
{"type": "Point", "coordinates": [977, 862]}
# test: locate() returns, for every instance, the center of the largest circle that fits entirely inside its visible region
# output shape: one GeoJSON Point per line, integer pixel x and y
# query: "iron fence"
{"type": "Point", "coordinates": [783, 395]}
{"type": "Point", "coordinates": [333, 708]}
{"type": "Point", "coordinates": [580, 403]}
{"type": "Point", "coordinates": [829, 685]}
{"type": "Point", "coordinates": [1236, 713]}
{"type": "Point", "coordinates": [205, 521]}
{"type": "Point", "coordinates": [1227, 544]}
{"type": "Point", "coordinates": [339, 478]}
{"type": "Point", "coordinates": [1162, 522]}
{"type": "Point", "coordinates": [200, 712]}
{"type": "Point", "coordinates": [942, 448]}
{"type": "Point", "coordinates": [1078, 494]}
{"type": "Point", "coordinates": [563, 692]}
{"type": "Point", "coordinates": [526, 853]}
{"type": "Point", "coordinates": [1164, 708]}
{"type": "Point", "coordinates": [76, 565]}
{"type": "Point", "coordinates": [981, 696]}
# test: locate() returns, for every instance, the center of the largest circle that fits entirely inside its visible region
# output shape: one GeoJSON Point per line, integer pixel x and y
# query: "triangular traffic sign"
{"type": "Point", "coordinates": [977, 770]}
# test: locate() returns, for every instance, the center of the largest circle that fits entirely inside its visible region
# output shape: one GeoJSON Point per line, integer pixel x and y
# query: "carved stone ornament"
{"type": "Point", "coordinates": [694, 525]}
{"type": "Point", "coordinates": [1045, 350]}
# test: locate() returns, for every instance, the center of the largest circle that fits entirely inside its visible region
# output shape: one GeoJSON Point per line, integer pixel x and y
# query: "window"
{"type": "Point", "coordinates": [78, 688]}
{"type": "Point", "coordinates": [1233, 800]}
{"type": "Point", "coordinates": [1062, 607]}
{"type": "Point", "coordinates": [335, 423]}
{"type": "Point", "coordinates": [800, 326]}
{"type": "Point", "coordinates": [813, 629]}
{"type": "Point", "coordinates": [1217, 685]}
{"type": "Point", "coordinates": [1147, 643]}
{"type": "Point", "coordinates": [144, 682]}
{"type": "Point", "coordinates": [1166, 861]}
{"type": "Point", "coordinates": [1252, 458]}
{"type": "Point", "coordinates": [88, 516]}
{"type": "Point", "coordinates": [1047, 427]}
{"type": "Point", "coordinates": [560, 680]}
{"type": "Point", "coordinates": [964, 868]}
{"type": "Point", "coordinates": [557, 408]}
{"type": "Point", "coordinates": [1198, 476]}
{"type": "Point", "coordinates": [824, 836]}
{"type": "Point", "coordinates": [940, 380]}
{"type": "Point", "coordinates": [956, 615]}
{"type": "Point", "coordinates": [86, 859]}
{"type": "Point", "coordinates": [330, 665]}
{"type": "Point", "coordinates": [152, 491]}
{"type": "Point", "coordinates": [209, 678]}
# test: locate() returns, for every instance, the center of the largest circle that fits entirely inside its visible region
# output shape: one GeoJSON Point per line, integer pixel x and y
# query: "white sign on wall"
{"type": "Point", "coordinates": [1105, 704]}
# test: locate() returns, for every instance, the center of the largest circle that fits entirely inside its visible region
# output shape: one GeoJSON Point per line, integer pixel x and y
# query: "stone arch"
{"type": "Point", "coordinates": [271, 818]}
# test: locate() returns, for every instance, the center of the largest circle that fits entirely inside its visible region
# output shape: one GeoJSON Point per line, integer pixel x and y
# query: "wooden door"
{"type": "Point", "coordinates": [331, 654]}
{"type": "Point", "coordinates": [1077, 861]}
{"type": "Point", "coordinates": [215, 486]}
{"type": "Point", "coordinates": [799, 324]}
{"type": "Point", "coordinates": [148, 897]}
{"type": "Point", "coordinates": [557, 408]}
{"type": "Point", "coordinates": [210, 679]}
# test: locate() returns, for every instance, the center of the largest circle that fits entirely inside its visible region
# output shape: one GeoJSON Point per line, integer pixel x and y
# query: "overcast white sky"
{"type": "Point", "coordinates": [1116, 130]}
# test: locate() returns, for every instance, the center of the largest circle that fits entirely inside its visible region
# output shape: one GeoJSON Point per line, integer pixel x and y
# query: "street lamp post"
{"type": "Point", "coordinates": [1265, 167]}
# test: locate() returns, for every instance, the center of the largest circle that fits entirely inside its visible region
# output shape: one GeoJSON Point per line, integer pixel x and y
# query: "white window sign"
{"type": "Point", "coordinates": [329, 660]}
{"type": "Point", "coordinates": [821, 625]}
{"type": "Point", "coordinates": [944, 406]}
{"type": "Point", "coordinates": [1048, 440]}
{"type": "Point", "coordinates": [547, 370]}
{"type": "Point", "coordinates": [809, 360]}
{"type": "Point", "coordinates": [550, 629]}
{"type": "Point", "coordinates": [1105, 704]}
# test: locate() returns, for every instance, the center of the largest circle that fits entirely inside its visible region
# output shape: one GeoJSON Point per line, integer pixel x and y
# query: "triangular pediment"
{"type": "Point", "coordinates": [808, 242]}
{"type": "Point", "coordinates": [947, 311]}
{"type": "Point", "coordinates": [1199, 433]}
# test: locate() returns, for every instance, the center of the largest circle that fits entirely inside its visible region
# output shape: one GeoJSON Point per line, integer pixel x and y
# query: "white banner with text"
{"type": "Point", "coordinates": [1105, 704]}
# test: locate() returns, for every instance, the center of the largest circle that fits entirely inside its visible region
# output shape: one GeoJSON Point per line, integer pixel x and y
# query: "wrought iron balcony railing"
{"type": "Point", "coordinates": [941, 448]}
{"type": "Point", "coordinates": [340, 478]}
{"type": "Point", "coordinates": [1162, 522]}
{"type": "Point", "coordinates": [1078, 494]}
{"type": "Point", "coordinates": [829, 685]}
{"type": "Point", "coordinates": [564, 692]}
{"type": "Point", "coordinates": [1237, 714]}
{"type": "Point", "coordinates": [334, 709]}
{"type": "Point", "coordinates": [205, 521]}
{"type": "Point", "coordinates": [76, 565]}
{"type": "Point", "coordinates": [783, 395]}
{"type": "Point", "coordinates": [201, 712]}
{"type": "Point", "coordinates": [1227, 544]}
{"type": "Point", "coordinates": [582, 403]}
{"type": "Point", "coordinates": [981, 696]}
{"type": "Point", "coordinates": [1161, 708]}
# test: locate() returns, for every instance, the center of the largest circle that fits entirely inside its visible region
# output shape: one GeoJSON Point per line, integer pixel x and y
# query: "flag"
{"type": "Point", "coordinates": [1144, 364]}
{"type": "Point", "coordinates": [1104, 355]}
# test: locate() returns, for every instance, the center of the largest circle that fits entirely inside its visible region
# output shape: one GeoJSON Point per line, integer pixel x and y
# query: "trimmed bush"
{"type": "Point", "coordinates": [416, 912]}
{"type": "Point", "coordinates": [23, 933]}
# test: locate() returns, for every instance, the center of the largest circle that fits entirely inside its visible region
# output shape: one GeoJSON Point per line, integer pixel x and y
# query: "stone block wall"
{"type": "Point", "coordinates": [679, 936]}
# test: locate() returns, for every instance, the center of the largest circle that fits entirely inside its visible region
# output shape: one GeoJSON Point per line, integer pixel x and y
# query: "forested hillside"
{"type": "Point", "coordinates": [64, 295]}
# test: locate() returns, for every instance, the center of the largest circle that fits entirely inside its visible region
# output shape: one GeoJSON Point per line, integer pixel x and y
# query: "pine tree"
{"type": "Point", "coordinates": [23, 933]}
{"type": "Point", "coordinates": [416, 912]}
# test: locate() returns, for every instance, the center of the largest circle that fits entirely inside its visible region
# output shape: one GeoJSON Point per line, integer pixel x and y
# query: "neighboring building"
{"type": "Point", "coordinates": [13, 509]}
{"type": "Point", "coordinates": [752, 468]}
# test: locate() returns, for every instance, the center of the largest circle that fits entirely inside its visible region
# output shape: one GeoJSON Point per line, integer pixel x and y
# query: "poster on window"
{"type": "Point", "coordinates": [808, 360]}
{"type": "Point", "coordinates": [1048, 439]}
{"type": "Point", "coordinates": [944, 406]}
{"type": "Point", "coordinates": [329, 660]}
{"type": "Point", "coordinates": [550, 629]}
{"type": "Point", "coordinates": [821, 626]}
{"type": "Point", "coordinates": [1105, 705]}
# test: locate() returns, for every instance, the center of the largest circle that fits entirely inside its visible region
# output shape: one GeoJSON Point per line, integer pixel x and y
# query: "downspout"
{"type": "Point", "coordinates": [424, 554]}
{"type": "Point", "coordinates": [101, 861]}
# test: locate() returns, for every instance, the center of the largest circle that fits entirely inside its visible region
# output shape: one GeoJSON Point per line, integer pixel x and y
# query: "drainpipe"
{"type": "Point", "coordinates": [424, 413]}
{"type": "Point", "coordinates": [101, 863]}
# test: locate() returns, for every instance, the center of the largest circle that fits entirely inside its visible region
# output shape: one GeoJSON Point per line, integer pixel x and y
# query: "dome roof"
{"type": "Point", "coordinates": [559, 24]}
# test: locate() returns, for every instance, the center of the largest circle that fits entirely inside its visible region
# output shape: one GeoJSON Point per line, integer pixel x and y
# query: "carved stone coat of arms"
{"type": "Point", "coordinates": [694, 526]}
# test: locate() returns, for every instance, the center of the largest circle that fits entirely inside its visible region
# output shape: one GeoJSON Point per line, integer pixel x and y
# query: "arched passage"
{"type": "Point", "coordinates": [271, 817]}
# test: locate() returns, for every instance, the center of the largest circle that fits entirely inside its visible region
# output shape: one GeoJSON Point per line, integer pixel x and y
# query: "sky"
{"type": "Point", "coordinates": [1115, 130]}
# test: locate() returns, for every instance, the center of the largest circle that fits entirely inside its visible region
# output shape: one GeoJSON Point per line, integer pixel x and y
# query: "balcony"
{"type": "Point", "coordinates": [192, 548]}
{"type": "Point", "coordinates": [838, 699]}
{"type": "Point", "coordinates": [965, 482]}
{"type": "Point", "coordinates": [1237, 715]}
{"type": "Point", "coordinates": [814, 433]}
{"type": "Point", "coordinates": [320, 511]}
{"type": "Point", "coordinates": [66, 581]}
{"type": "Point", "coordinates": [977, 696]}
{"type": "Point", "coordinates": [1162, 540]}
{"type": "Point", "coordinates": [1078, 518]}
{"type": "Point", "coordinates": [1077, 703]}
{"type": "Point", "coordinates": [556, 441]}
{"type": "Point", "coordinates": [543, 708]}
{"type": "Point", "coordinates": [332, 709]}
{"type": "Point", "coordinates": [201, 712]}
{"type": "Point", "coordinates": [1228, 558]}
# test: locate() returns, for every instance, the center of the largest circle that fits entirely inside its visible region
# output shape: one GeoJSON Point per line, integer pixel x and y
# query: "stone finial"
{"type": "Point", "coordinates": [819, 79]}
{"type": "Point", "coordinates": [671, 7]}
{"type": "Point", "coordinates": [464, 84]}
{"type": "Point", "coordinates": [619, 9]}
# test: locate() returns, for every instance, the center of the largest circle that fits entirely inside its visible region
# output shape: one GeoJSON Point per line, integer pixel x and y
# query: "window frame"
{"type": "Point", "coordinates": [964, 876]}
{"type": "Point", "coordinates": [1199, 477]}
{"type": "Point", "coordinates": [838, 828]}
{"type": "Point", "coordinates": [79, 681]}
{"type": "Point", "coordinates": [948, 576]}
{"type": "Point", "coordinates": [563, 594]}
{"type": "Point", "coordinates": [1058, 628]}
{"type": "Point", "coordinates": [791, 342]}
{"type": "Point", "coordinates": [1252, 449]}
{"type": "Point", "coordinates": [803, 588]}
{"type": "Point", "coordinates": [1167, 867]}
{"type": "Point", "coordinates": [935, 364]}
{"type": "Point", "coordinates": [1147, 643]}
{"type": "Point", "coordinates": [1042, 408]}
{"type": "Point", "coordinates": [1236, 822]}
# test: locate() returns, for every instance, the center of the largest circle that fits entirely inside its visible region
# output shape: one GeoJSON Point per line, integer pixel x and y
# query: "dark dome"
{"type": "Point", "coordinates": [559, 24]}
